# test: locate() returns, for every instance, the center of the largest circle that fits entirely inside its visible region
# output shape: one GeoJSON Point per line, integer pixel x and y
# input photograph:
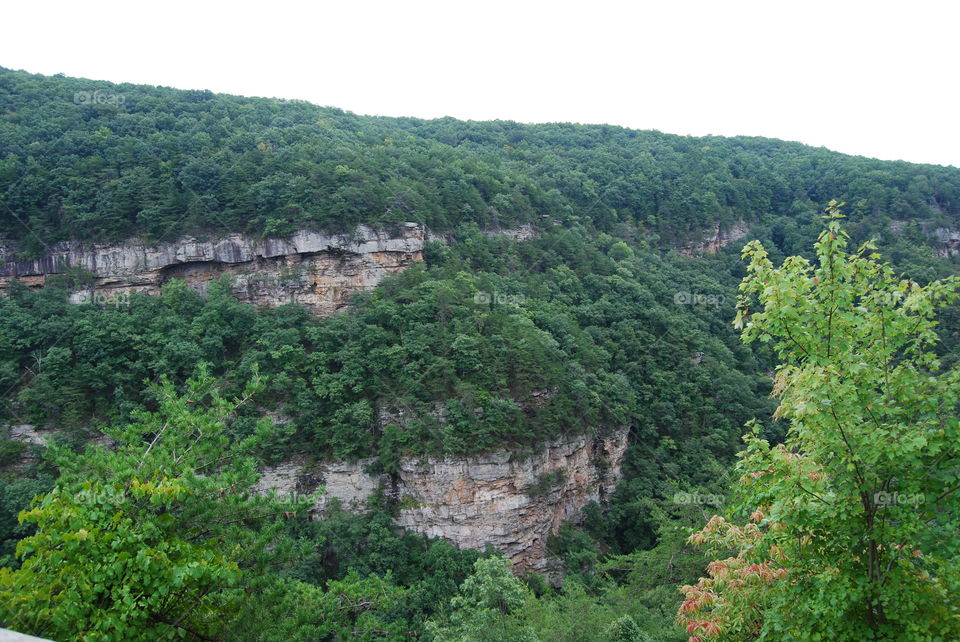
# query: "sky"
{"type": "Point", "coordinates": [878, 79]}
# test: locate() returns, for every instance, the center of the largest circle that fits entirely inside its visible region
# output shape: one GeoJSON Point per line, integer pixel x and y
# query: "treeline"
{"type": "Point", "coordinates": [157, 536]}
{"type": "Point", "coordinates": [491, 344]}
{"type": "Point", "coordinates": [99, 161]}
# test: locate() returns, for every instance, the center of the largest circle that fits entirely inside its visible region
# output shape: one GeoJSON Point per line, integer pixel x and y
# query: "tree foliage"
{"type": "Point", "coordinates": [481, 610]}
{"type": "Point", "coordinates": [590, 325]}
{"type": "Point", "coordinates": [101, 161]}
{"type": "Point", "coordinates": [148, 539]}
{"type": "Point", "coordinates": [849, 519]}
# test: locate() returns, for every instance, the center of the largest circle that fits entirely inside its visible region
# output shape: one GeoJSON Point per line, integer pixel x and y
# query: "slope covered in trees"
{"type": "Point", "coordinates": [100, 161]}
{"type": "Point", "coordinates": [593, 323]}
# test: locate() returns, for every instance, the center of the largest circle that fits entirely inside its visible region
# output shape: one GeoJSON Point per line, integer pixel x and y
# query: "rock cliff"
{"type": "Point", "coordinates": [948, 242]}
{"type": "Point", "coordinates": [512, 502]}
{"type": "Point", "coordinates": [716, 239]}
{"type": "Point", "coordinates": [944, 240]}
{"type": "Point", "coordinates": [318, 270]}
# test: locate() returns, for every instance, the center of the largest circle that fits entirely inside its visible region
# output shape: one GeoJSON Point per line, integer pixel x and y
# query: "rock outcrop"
{"type": "Point", "coordinates": [718, 238]}
{"type": "Point", "coordinates": [521, 233]}
{"type": "Point", "coordinates": [947, 242]}
{"type": "Point", "coordinates": [321, 271]}
{"type": "Point", "coordinates": [29, 435]}
{"type": "Point", "coordinates": [944, 240]}
{"type": "Point", "coordinates": [512, 502]}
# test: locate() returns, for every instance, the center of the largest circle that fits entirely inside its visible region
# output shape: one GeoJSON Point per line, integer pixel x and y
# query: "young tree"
{"type": "Point", "coordinates": [852, 522]}
{"type": "Point", "coordinates": [625, 629]}
{"type": "Point", "coordinates": [149, 539]}
{"type": "Point", "coordinates": [484, 607]}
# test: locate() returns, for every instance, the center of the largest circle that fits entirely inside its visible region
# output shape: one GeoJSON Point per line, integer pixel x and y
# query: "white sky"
{"type": "Point", "coordinates": [873, 78]}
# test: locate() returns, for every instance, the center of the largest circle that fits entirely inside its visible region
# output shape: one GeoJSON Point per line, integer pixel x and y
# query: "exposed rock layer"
{"type": "Point", "coordinates": [319, 270]}
{"type": "Point", "coordinates": [509, 501]}
{"type": "Point", "coordinates": [718, 238]}
{"type": "Point", "coordinates": [947, 242]}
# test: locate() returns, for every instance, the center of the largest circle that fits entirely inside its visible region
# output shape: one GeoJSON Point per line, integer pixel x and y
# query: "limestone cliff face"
{"type": "Point", "coordinates": [509, 501]}
{"type": "Point", "coordinates": [944, 240]}
{"type": "Point", "coordinates": [318, 270]}
{"type": "Point", "coordinates": [717, 239]}
{"type": "Point", "coordinates": [948, 242]}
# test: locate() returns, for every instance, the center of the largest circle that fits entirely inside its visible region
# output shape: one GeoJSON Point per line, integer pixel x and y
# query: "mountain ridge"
{"type": "Point", "coordinates": [103, 161]}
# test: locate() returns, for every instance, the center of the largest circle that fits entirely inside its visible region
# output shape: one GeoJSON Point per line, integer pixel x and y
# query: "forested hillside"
{"type": "Point", "coordinates": [99, 161]}
{"type": "Point", "coordinates": [594, 323]}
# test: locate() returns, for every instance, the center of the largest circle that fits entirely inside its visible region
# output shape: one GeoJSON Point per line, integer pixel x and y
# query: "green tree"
{"type": "Point", "coordinates": [625, 629]}
{"type": "Point", "coordinates": [354, 608]}
{"type": "Point", "coordinates": [483, 608]}
{"type": "Point", "coordinates": [850, 532]}
{"type": "Point", "coordinates": [151, 539]}
{"type": "Point", "coordinates": [620, 251]}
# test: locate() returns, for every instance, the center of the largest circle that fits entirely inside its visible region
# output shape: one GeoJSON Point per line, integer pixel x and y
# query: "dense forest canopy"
{"type": "Point", "coordinates": [99, 161]}
{"type": "Point", "coordinates": [592, 324]}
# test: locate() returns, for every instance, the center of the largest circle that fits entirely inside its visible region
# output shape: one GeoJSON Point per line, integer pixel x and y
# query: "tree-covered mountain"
{"type": "Point", "coordinates": [593, 323]}
{"type": "Point", "coordinates": [100, 161]}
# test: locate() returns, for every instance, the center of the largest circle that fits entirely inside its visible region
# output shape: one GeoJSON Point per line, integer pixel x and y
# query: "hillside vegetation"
{"type": "Point", "coordinates": [595, 323]}
{"type": "Point", "coordinates": [101, 161]}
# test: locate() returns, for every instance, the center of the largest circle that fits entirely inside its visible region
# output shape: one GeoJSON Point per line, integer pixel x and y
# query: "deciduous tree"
{"type": "Point", "coordinates": [852, 521]}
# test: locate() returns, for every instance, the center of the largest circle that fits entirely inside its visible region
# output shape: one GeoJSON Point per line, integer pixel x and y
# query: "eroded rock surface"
{"type": "Point", "coordinates": [944, 240]}
{"type": "Point", "coordinates": [321, 271]}
{"type": "Point", "coordinates": [510, 501]}
{"type": "Point", "coordinates": [948, 242]}
{"type": "Point", "coordinates": [521, 233]}
{"type": "Point", "coordinates": [718, 238]}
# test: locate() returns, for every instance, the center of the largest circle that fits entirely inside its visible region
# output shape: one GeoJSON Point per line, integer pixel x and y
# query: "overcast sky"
{"type": "Point", "coordinates": [873, 78]}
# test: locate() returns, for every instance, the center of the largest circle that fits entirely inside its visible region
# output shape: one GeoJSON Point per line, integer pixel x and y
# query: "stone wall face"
{"type": "Point", "coordinates": [318, 270]}
{"type": "Point", "coordinates": [509, 501]}
{"type": "Point", "coordinates": [717, 239]}
{"type": "Point", "coordinates": [948, 242]}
